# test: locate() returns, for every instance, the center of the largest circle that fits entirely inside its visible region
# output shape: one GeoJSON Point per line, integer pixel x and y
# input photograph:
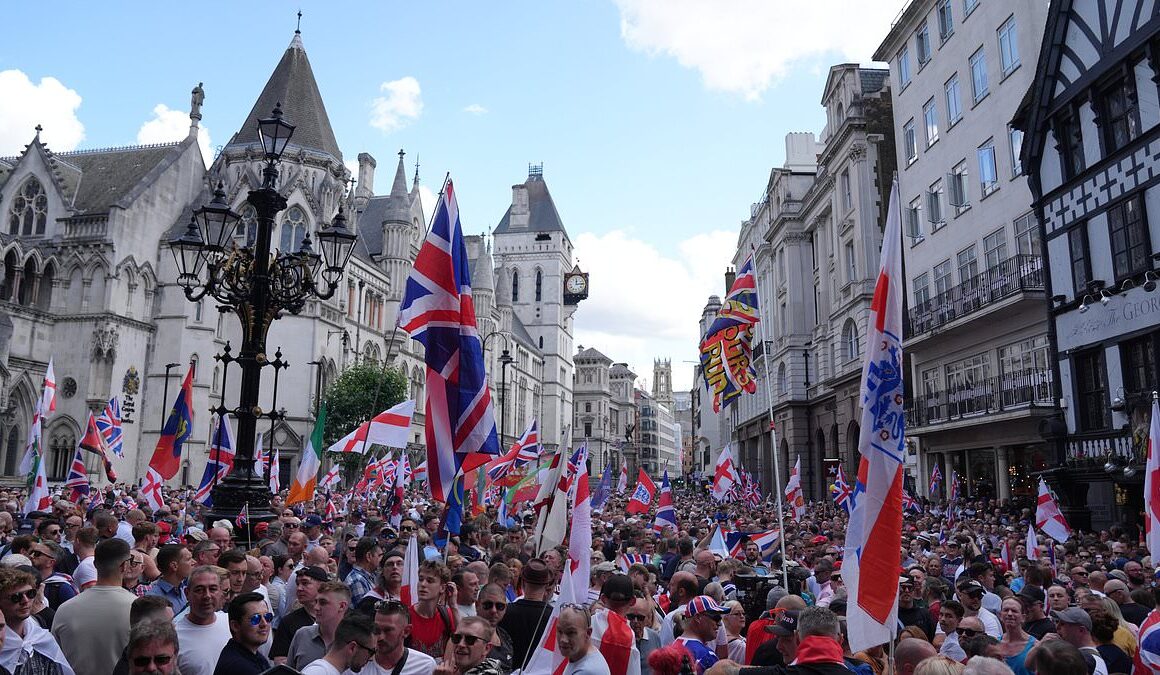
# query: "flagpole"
{"type": "Point", "coordinates": [772, 436]}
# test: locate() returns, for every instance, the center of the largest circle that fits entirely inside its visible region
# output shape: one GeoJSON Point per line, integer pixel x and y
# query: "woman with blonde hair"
{"type": "Point", "coordinates": [938, 665]}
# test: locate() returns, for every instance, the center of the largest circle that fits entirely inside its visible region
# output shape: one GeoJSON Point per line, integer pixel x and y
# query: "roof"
{"type": "Point", "coordinates": [592, 354]}
{"type": "Point", "coordinates": [370, 222]}
{"type": "Point", "coordinates": [523, 336]}
{"type": "Point", "coordinates": [873, 79]}
{"type": "Point", "coordinates": [542, 214]}
{"type": "Point", "coordinates": [621, 370]}
{"type": "Point", "coordinates": [293, 85]}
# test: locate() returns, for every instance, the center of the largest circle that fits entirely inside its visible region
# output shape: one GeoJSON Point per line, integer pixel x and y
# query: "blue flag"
{"type": "Point", "coordinates": [603, 490]}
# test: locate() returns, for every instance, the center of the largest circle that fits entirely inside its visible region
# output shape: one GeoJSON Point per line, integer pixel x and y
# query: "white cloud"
{"type": "Point", "coordinates": [427, 197]}
{"type": "Point", "coordinates": [644, 304]}
{"type": "Point", "coordinates": [169, 125]}
{"type": "Point", "coordinates": [402, 104]}
{"type": "Point", "coordinates": [744, 46]}
{"type": "Point", "coordinates": [475, 109]}
{"type": "Point", "coordinates": [23, 105]}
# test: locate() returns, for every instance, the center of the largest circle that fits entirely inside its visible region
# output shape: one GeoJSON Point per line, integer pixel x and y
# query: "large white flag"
{"type": "Point", "coordinates": [874, 534]}
{"type": "Point", "coordinates": [388, 428]}
{"type": "Point", "coordinates": [724, 475]}
{"type": "Point", "coordinates": [1152, 484]}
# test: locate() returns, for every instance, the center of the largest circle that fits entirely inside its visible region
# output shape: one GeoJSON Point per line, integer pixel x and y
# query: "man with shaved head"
{"type": "Point", "coordinates": [682, 588]}
{"type": "Point", "coordinates": [908, 654]}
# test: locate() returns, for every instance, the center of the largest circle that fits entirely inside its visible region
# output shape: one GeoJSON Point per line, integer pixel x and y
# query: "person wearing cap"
{"type": "Point", "coordinates": [1036, 622]}
{"type": "Point", "coordinates": [702, 621]}
{"type": "Point", "coordinates": [611, 632]}
{"type": "Point", "coordinates": [527, 617]}
{"type": "Point", "coordinates": [984, 573]}
{"type": "Point", "coordinates": [970, 593]}
{"type": "Point", "coordinates": [1075, 626]}
{"type": "Point", "coordinates": [307, 582]}
{"type": "Point", "coordinates": [597, 577]}
{"type": "Point", "coordinates": [951, 560]}
{"type": "Point", "coordinates": [910, 613]}
{"type": "Point", "coordinates": [312, 528]}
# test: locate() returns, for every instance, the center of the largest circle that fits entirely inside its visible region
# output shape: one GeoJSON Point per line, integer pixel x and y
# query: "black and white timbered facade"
{"type": "Point", "coordinates": [1092, 148]}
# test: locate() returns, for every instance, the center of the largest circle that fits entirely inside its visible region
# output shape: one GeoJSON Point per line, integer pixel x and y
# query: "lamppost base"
{"type": "Point", "coordinates": [231, 495]}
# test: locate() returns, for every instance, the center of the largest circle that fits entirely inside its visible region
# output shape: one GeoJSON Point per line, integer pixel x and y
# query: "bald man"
{"type": "Point", "coordinates": [683, 587]}
{"type": "Point", "coordinates": [909, 653]}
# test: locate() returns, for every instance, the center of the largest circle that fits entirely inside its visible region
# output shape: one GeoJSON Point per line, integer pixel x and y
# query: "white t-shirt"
{"type": "Point", "coordinates": [201, 645]}
{"type": "Point", "coordinates": [85, 573]}
{"type": "Point", "coordinates": [465, 610]}
{"type": "Point", "coordinates": [593, 664]}
{"type": "Point", "coordinates": [417, 663]}
{"type": "Point", "coordinates": [320, 667]}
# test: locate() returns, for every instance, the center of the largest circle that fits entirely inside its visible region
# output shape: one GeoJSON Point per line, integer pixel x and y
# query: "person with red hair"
{"type": "Point", "coordinates": [668, 660]}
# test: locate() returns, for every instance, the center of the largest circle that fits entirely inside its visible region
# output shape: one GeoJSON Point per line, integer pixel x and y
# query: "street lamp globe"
{"type": "Point", "coordinates": [217, 222]}
{"type": "Point", "coordinates": [337, 245]}
{"type": "Point", "coordinates": [275, 133]}
{"type": "Point", "coordinates": [187, 252]}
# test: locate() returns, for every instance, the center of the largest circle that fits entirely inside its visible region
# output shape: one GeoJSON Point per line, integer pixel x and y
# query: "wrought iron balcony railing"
{"type": "Point", "coordinates": [1012, 391]}
{"type": "Point", "coordinates": [1014, 275]}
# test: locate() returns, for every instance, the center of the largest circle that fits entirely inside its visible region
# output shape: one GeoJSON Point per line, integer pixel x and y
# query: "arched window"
{"type": "Point", "coordinates": [515, 286]}
{"type": "Point", "coordinates": [782, 379]}
{"type": "Point", "coordinates": [12, 450]}
{"type": "Point", "coordinates": [61, 448]}
{"type": "Point", "coordinates": [193, 362]}
{"type": "Point", "coordinates": [293, 229]}
{"type": "Point", "coordinates": [216, 378]}
{"type": "Point", "coordinates": [44, 298]}
{"type": "Point", "coordinates": [248, 224]}
{"type": "Point", "coordinates": [850, 341]}
{"type": "Point", "coordinates": [29, 211]}
{"type": "Point", "coordinates": [27, 283]}
{"type": "Point", "coordinates": [539, 285]}
{"type": "Point", "coordinates": [541, 342]}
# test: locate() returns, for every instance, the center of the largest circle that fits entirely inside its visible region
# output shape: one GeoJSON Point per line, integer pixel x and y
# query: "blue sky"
{"type": "Point", "coordinates": [657, 121]}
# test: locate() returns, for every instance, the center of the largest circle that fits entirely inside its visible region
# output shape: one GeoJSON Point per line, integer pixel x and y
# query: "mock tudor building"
{"type": "Point", "coordinates": [1092, 152]}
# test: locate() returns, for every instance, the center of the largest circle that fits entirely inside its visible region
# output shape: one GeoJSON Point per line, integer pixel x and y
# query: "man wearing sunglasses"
{"type": "Point", "coordinates": [152, 648]}
{"type": "Point", "coordinates": [26, 641]}
{"type": "Point", "coordinates": [467, 650]}
{"type": "Point", "coordinates": [491, 606]}
{"type": "Point", "coordinates": [93, 628]}
{"type": "Point", "coordinates": [353, 648]}
{"type": "Point", "coordinates": [250, 619]}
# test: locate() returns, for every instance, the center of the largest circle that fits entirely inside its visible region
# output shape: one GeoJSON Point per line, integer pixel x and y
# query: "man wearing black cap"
{"type": "Point", "coordinates": [611, 632]}
{"type": "Point", "coordinates": [1037, 623]}
{"type": "Point", "coordinates": [970, 593]}
{"type": "Point", "coordinates": [909, 612]}
{"type": "Point", "coordinates": [526, 617]}
{"type": "Point", "coordinates": [308, 579]}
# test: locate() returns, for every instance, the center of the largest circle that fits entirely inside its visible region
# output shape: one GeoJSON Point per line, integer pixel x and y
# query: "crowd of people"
{"type": "Point", "coordinates": [106, 587]}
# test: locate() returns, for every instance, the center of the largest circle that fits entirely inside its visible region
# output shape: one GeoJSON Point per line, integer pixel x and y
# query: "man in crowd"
{"type": "Point", "coordinates": [353, 647]}
{"type": "Point", "coordinates": [1075, 626]}
{"type": "Point", "coordinates": [950, 614]}
{"type": "Point", "coordinates": [93, 628]}
{"type": "Point", "coordinates": [175, 563]}
{"type": "Point", "coordinates": [574, 639]}
{"type": "Point", "coordinates": [526, 618]}
{"type": "Point", "coordinates": [308, 580]}
{"type": "Point", "coordinates": [152, 648]}
{"type": "Point", "coordinates": [1036, 624]}
{"type": "Point", "coordinates": [392, 627]}
{"type": "Point", "coordinates": [491, 606]}
{"type": "Point", "coordinates": [249, 619]}
{"type": "Point", "coordinates": [432, 621]}
{"type": "Point", "coordinates": [910, 613]}
{"type": "Point", "coordinates": [467, 651]}
{"type": "Point", "coordinates": [702, 621]}
{"type": "Point", "coordinates": [609, 628]}
{"type": "Point", "coordinates": [25, 642]}
{"type": "Point", "coordinates": [203, 630]}
{"type": "Point", "coordinates": [311, 643]}
{"type": "Point", "coordinates": [234, 562]}
{"type": "Point", "coordinates": [1133, 612]}
{"type": "Point", "coordinates": [970, 593]}
{"type": "Point", "coordinates": [368, 554]}
{"type": "Point", "coordinates": [466, 591]}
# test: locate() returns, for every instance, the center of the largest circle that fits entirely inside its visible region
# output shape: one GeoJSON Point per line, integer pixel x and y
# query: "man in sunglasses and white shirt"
{"type": "Point", "coordinates": [468, 648]}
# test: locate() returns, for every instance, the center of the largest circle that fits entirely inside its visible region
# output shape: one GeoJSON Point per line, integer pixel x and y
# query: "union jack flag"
{"type": "Point", "coordinates": [751, 491]}
{"type": "Point", "coordinates": [109, 424]}
{"type": "Point", "coordinates": [437, 310]}
{"type": "Point", "coordinates": [627, 560]}
{"type": "Point", "coordinates": [935, 480]}
{"type": "Point", "coordinates": [221, 461]}
{"type": "Point", "coordinates": [243, 518]}
{"type": "Point", "coordinates": [909, 503]}
{"type": "Point", "coordinates": [845, 495]}
{"type": "Point", "coordinates": [523, 451]}
{"type": "Point", "coordinates": [953, 488]}
{"type": "Point", "coordinates": [78, 479]}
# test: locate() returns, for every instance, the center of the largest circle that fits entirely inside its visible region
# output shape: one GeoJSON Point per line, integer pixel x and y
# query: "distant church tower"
{"type": "Point", "coordinates": [662, 390]}
{"type": "Point", "coordinates": [533, 257]}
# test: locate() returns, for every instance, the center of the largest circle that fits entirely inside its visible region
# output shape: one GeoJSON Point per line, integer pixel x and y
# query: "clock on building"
{"type": "Point", "coordinates": [575, 286]}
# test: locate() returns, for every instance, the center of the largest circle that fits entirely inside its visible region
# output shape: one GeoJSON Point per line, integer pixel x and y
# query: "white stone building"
{"type": "Point", "coordinates": [979, 373]}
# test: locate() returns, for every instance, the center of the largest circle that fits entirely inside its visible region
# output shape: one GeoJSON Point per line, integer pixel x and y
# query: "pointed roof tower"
{"type": "Point", "coordinates": [293, 85]}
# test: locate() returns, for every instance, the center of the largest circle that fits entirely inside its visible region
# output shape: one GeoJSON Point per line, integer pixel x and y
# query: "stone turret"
{"type": "Point", "coordinates": [366, 181]}
{"type": "Point", "coordinates": [398, 233]}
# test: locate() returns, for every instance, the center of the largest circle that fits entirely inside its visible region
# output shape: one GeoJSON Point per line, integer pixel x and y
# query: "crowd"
{"type": "Point", "coordinates": [107, 587]}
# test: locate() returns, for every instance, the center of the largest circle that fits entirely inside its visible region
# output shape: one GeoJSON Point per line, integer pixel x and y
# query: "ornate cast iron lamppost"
{"type": "Point", "coordinates": [257, 285]}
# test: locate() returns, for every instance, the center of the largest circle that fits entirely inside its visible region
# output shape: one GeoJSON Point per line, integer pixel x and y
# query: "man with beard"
{"type": "Point", "coordinates": [392, 627]}
{"type": "Point", "coordinates": [250, 618]}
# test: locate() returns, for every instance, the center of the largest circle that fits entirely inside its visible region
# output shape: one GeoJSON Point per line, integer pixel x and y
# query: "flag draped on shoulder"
{"type": "Point", "coordinates": [874, 533]}
{"type": "Point", "coordinates": [666, 515]}
{"type": "Point", "coordinates": [437, 310]}
{"type": "Point", "coordinates": [724, 475]}
{"type": "Point", "coordinates": [302, 489]}
{"type": "Point", "coordinates": [642, 496]}
{"type": "Point", "coordinates": [1048, 517]}
{"type": "Point", "coordinates": [388, 428]}
{"type": "Point", "coordinates": [727, 349]}
{"type": "Point", "coordinates": [166, 458]}
{"type": "Point", "coordinates": [1152, 490]}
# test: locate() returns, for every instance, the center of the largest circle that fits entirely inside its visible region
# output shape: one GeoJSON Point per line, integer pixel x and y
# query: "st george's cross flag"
{"type": "Point", "coordinates": [303, 487]}
{"type": "Point", "coordinates": [48, 396]}
{"type": "Point", "coordinates": [1032, 544]}
{"type": "Point", "coordinates": [275, 473]}
{"type": "Point", "coordinates": [1048, 516]}
{"type": "Point", "coordinates": [1152, 486]}
{"type": "Point", "coordinates": [793, 490]}
{"type": "Point", "coordinates": [724, 474]}
{"type": "Point", "coordinates": [331, 479]}
{"type": "Point", "coordinates": [388, 428]}
{"type": "Point", "coordinates": [409, 588]}
{"type": "Point", "coordinates": [437, 311]}
{"type": "Point", "coordinates": [642, 497]}
{"type": "Point", "coordinates": [666, 515]}
{"type": "Point", "coordinates": [874, 533]}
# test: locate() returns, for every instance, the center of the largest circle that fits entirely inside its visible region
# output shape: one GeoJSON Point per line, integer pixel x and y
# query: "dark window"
{"type": "Point", "coordinates": [1138, 363]}
{"type": "Point", "coordinates": [1091, 386]}
{"type": "Point", "coordinates": [587, 429]}
{"type": "Point", "coordinates": [515, 286]}
{"type": "Point", "coordinates": [1129, 233]}
{"type": "Point", "coordinates": [1069, 142]}
{"type": "Point", "coordinates": [539, 285]}
{"type": "Point", "coordinates": [1121, 114]}
{"type": "Point", "coordinates": [1080, 266]}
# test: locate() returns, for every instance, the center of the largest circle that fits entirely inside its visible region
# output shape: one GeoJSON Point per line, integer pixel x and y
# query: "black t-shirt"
{"type": "Point", "coordinates": [286, 630]}
{"type": "Point", "coordinates": [524, 622]}
{"type": "Point", "coordinates": [1039, 627]}
{"type": "Point", "coordinates": [917, 616]}
{"type": "Point", "coordinates": [766, 654]}
{"type": "Point", "coordinates": [1115, 658]}
{"type": "Point", "coordinates": [1134, 612]}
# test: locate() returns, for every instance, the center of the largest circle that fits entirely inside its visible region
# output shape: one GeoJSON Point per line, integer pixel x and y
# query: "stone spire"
{"type": "Point", "coordinates": [399, 187]}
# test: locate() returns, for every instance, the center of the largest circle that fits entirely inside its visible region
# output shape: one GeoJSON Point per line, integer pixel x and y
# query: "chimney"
{"type": "Point", "coordinates": [519, 212]}
{"type": "Point", "coordinates": [366, 175]}
{"type": "Point", "coordinates": [730, 276]}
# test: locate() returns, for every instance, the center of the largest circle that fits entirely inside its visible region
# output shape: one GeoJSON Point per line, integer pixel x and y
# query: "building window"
{"type": "Point", "coordinates": [63, 449]}
{"type": "Point", "coordinates": [782, 379]}
{"type": "Point", "coordinates": [1015, 138]}
{"type": "Point", "coordinates": [957, 180]}
{"type": "Point", "coordinates": [1027, 234]}
{"type": "Point", "coordinates": [914, 219]}
{"type": "Point", "coordinates": [851, 262]}
{"type": "Point", "coordinates": [1081, 272]}
{"type": "Point", "coordinates": [784, 320]}
{"type": "Point", "coordinates": [922, 44]}
{"type": "Point", "coordinates": [942, 278]}
{"type": "Point", "coordinates": [1091, 385]}
{"type": "Point", "coordinates": [850, 341]}
{"type": "Point", "coordinates": [967, 384]}
{"type": "Point", "coordinates": [930, 120]}
{"type": "Point", "coordinates": [1027, 356]}
{"type": "Point", "coordinates": [968, 264]}
{"type": "Point", "coordinates": [995, 248]}
{"type": "Point", "coordinates": [922, 289]}
{"type": "Point", "coordinates": [847, 197]}
{"type": "Point", "coordinates": [293, 229]}
{"type": "Point", "coordinates": [934, 210]}
{"type": "Point", "coordinates": [904, 67]}
{"type": "Point", "coordinates": [587, 429]}
{"type": "Point", "coordinates": [1008, 46]}
{"type": "Point", "coordinates": [988, 171]}
{"type": "Point", "coordinates": [1069, 142]}
{"type": "Point", "coordinates": [969, 6]}
{"type": "Point", "coordinates": [946, 21]}
{"type": "Point", "coordinates": [910, 142]}
{"type": "Point", "coordinates": [1138, 363]}
{"type": "Point", "coordinates": [29, 211]}
{"type": "Point", "coordinates": [587, 404]}
{"type": "Point", "coordinates": [1120, 113]}
{"type": "Point", "coordinates": [539, 285]}
{"type": "Point", "coordinates": [954, 101]}
{"type": "Point", "coordinates": [978, 63]}
{"type": "Point", "coordinates": [1131, 248]}
{"type": "Point", "coordinates": [516, 287]}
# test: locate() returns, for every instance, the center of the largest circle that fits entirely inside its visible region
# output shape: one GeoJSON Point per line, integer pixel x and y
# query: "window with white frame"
{"type": "Point", "coordinates": [904, 67]}
{"type": "Point", "coordinates": [988, 172]}
{"type": "Point", "coordinates": [957, 188]}
{"type": "Point", "coordinates": [847, 197]}
{"type": "Point", "coordinates": [979, 86]}
{"type": "Point", "coordinates": [942, 278]}
{"type": "Point", "coordinates": [784, 320]}
{"type": "Point", "coordinates": [1015, 141]}
{"type": "Point", "coordinates": [930, 122]}
{"type": "Point", "coordinates": [954, 100]}
{"type": "Point", "coordinates": [995, 248]}
{"type": "Point", "coordinates": [1027, 234]}
{"type": "Point", "coordinates": [922, 289]}
{"type": "Point", "coordinates": [969, 6]}
{"type": "Point", "coordinates": [922, 44]}
{"type": "Point", "coordinates": [850, 349]}
{"type": "Point", "coordinates": [934, 210]}
{"type": "Point", "coordinates": [1008, 46]}
{"type": "Point", "coordinates": [851, 262]}
{"type": "Point", "coordinates": [909, 141]}
{"type": "Point", "coordinates": [914, 219]}
{"type": "Point", "coordinates": [968, 261]}
{"type": "Point", "coordinates": [946, 20]}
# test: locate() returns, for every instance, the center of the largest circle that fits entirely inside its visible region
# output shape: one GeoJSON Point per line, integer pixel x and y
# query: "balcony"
{"type": "Point", "coordinates": [1006, 393]}
{"type": "Point", "coordinates": [1009, 278]}
{"type": "Point", "coordinates": [1102, 447]}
